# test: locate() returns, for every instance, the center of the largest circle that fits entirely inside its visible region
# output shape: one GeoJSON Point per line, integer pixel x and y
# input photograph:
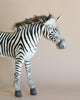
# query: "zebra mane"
{"type": "Point", "coordinates": [35, 19]}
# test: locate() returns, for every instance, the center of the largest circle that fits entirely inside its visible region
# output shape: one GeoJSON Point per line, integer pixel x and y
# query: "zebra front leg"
{"type": "Point", "coordinates": [30, 81]}
{"type": "Point", "coordinates": [18, 67]}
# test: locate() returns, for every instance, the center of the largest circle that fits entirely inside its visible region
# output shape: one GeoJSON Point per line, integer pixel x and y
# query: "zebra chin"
{"type": "Point", "coordinates": [61, 45]}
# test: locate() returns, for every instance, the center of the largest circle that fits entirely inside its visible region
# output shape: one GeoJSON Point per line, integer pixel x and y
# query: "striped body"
{"type": "Point", "coordinates": [22, 45]}
{"type": "Point", "coordinates": [23, 41]}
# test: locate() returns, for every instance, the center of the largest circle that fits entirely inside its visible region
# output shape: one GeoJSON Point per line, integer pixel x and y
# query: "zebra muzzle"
{"type": "Point", "coordinates": [61, 44]}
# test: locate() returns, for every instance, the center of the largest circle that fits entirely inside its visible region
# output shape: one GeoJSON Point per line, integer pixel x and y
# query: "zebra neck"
{"type": "Point", "coordinates": [34, 32]}
{"type": "Point", "coordinates": [38, 32]}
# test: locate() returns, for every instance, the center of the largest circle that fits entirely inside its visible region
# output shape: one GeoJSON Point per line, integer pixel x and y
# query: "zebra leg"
{"type": "Point", "coordinates": [30, 81]}
{"type": "Point", "coordinates": [18, 67]}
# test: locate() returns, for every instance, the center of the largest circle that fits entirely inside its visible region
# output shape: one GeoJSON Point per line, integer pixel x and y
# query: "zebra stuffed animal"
{"type": "Point", "coordinates": [22, 44]}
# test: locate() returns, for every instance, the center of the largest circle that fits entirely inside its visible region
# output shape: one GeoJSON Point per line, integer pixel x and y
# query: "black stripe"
{"type": "Point", "coordinates": [60, 42]}
{"type": "Point", "coordinates": [9, 45]}
{"type": "Point", "coordinates": [3, 44]}
{"type": "Point", "coordinates": [29, 37]}
{"type": "Point", "coordinates": [38, 30]}
{"type": "Point", "coordinates": [15, 40]}
{"type": "Point", "coordinates": [31, 33]}
{"type": "Point", "coordinates": [23, 43]}
{"type": "Point", "coordinates": [26, 40]}
{"type": "Point", "coordinates": [20, 53]}
{"type": "Point", "coordinates": [35, 31]}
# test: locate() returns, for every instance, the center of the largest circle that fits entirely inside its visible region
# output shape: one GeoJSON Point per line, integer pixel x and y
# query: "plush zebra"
{"type": "Point", "coordinates": [22, 44]}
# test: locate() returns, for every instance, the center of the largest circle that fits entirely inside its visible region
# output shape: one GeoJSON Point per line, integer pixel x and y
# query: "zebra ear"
{"type": "Point", "coordinates": [41, 20]}
{"type": "Point", "coordinates": [58, 18]}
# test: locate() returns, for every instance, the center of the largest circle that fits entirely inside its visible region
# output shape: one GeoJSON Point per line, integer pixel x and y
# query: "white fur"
{"type": "Point", "coordinates": [51, 22]}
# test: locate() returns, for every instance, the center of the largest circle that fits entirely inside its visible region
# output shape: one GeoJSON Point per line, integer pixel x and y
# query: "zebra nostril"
{"type": "Point", "coordinates": [63, 46]}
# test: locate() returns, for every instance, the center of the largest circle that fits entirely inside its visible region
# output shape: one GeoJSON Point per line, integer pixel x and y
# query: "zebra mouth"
{"type": "Point", "coordinates": [61, 45]}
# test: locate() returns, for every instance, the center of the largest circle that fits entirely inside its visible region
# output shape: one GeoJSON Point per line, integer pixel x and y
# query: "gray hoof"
{"type": "Point", "coordinates": [18, 93]}
{"type": "Point", "coordinates": [33, 91]}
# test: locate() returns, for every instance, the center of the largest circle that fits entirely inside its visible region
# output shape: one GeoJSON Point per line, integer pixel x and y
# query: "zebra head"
{"type": "Point", "coordinates": [51, 32]}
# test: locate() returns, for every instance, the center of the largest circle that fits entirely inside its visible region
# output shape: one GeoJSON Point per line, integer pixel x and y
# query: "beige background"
{"type": "Point", "coordinates": [56, 73]}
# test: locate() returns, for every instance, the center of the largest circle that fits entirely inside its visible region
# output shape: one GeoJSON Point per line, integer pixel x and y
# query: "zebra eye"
{"type": "Point", "coordinates": [51, 32]}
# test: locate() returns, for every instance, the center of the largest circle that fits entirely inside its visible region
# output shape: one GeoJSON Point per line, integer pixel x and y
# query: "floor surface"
{"type": "Point", "coordinates": [44, 93]}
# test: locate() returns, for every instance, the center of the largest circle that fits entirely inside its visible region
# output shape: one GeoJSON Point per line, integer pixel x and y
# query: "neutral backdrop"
{"type": "Point", "coordinates": [53, 70]}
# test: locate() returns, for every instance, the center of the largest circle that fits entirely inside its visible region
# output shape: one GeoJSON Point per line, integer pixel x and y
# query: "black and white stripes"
{"type": "Point", "coordinates": [22, 45]}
